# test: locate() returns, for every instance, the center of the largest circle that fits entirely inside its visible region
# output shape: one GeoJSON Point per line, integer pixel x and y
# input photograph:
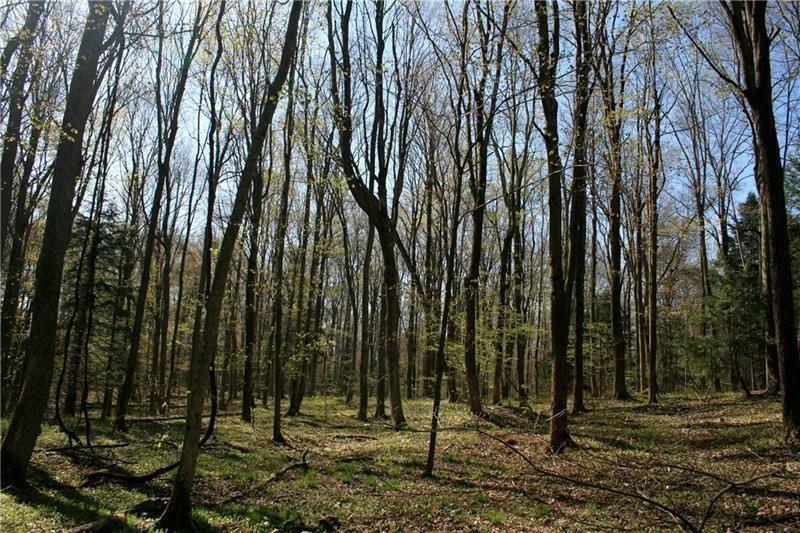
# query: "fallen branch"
{"type": "Point", "coordinates": [679, 518]}
{"type": "Point", "coordinates": [774, 521]}
{"type": "Point", "coordinates": [78, 447]}
{"type": "Point", "coordinates": [95, 457]}
{"type": "Point", "coordinates": [273, 477]}
{"type": "Point", "coordinates": [682, 521]}
{"type": "Point", "coordinates": [732, 485]}
{"type": "Point", "coordinates": [181, 417]}
{"type": "Point", "coordinates": [354, 437]}
{"type": "Point", "coordinates": [127, 479]}
{"type": "Point", "coordinates": [108, 523]}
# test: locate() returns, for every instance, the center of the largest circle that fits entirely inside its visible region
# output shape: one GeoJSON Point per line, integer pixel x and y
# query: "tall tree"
{"type": "Point", "coordinates": [748, 21]}
{"type": "Point", "coordinates": [167, 135]}
{"type": "Point", "coordinates": [653, 140]}
{"type": "Point", "coordinates": [577, 250]}
{"type": "Point", "coordinates": [560, 288]}
{"type": "Point", "coordinates": [483, 109]}
{"type": "Point", "coordinates": [610, 71]}
{"type": "Point", "coordinates": [177, 515]}
{"type": "Point", "coordinates": [381, 213]}
{"type": "Point", "coordinates": [16, 104]}
{"type": "Point", "coordinates": [26, 421]}
{"type": "Point", "coordinates": [277, 280]}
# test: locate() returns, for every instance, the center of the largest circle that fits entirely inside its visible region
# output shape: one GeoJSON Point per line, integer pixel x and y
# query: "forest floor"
{"type": "Point", "coordinates": [680, 454]}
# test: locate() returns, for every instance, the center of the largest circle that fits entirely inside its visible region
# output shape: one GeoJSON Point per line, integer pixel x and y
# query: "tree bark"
{"type": "Point", "coordinates": [177, 515]}
{"type": "Point", "coordinates": [16, 103]}
{"type": "Point", "coordinates": [748, 20]}
{"type": "Point", "coordinates": [559, 282]}
{"type": "Point", "coordinates": [577, 252]}
{"type": "Point", "coordinates": [25, 424]}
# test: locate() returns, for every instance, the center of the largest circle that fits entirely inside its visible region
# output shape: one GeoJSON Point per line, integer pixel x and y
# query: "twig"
{"type": "Point", "coordinates": [180, 417]}
{"type": "Point", "coordinates": [732, 485]}
{"type": "Point", "coordinates": [274, 476]}
{"type": "Point", "coordinates": [681, 520]}
{"type": "Point", "coordinates": [77, 447]}
{"type": "Point", "coordinates": [354, 437]}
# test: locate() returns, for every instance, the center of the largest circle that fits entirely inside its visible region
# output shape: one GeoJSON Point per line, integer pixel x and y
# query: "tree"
{"type": "Point", "coordinates": [177, 515]}
{"type": "Point", "coordinates": [381, 213]}
{"type": "Point", "coordinates": [748, 25]}
{"type": "Point", "coordinates": [26, 421]}
{"type": "Point", "coordinates": [16, 102]}
{"type": "Point", "coordinates": [560, 282]}
{"type": "Point", "coordinates": [483, 109]}
{"type": "Point", "coordinates": [166, 146]}
{"type": "Point", "coordinates": [577, 250]}
{"type": "Point", "coordinates": [611, 79]}
{"type": "Point", "coordinates": [654, 187]}
{"type": "Point", "coordinates": [748, 22]}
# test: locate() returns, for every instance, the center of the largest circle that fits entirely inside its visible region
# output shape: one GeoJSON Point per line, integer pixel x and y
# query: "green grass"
{"type": "Point", "coordinates": [368, 477]}
{"type": "Point", "coordinates": [496, 517]}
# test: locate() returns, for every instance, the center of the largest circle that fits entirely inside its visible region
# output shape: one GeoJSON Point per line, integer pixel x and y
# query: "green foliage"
{"type": "Point", "coordinates": [277, 518]}
{"type": "Point", "coordinates": [311, 479]}
{"type": "Point", "coordinates": [541, 510]}
{"type": "Point", "coordinates": [496, 517]}
{"type": "Point", "coordinates": [481, 498]}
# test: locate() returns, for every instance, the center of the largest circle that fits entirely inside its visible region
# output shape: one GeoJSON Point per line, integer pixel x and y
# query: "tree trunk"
{"type": "Point", "coordinates": [752, 39]}
{"type": "Point", "coordinates": [251, 300]}
{"type": "Point", "coordinates": [177, 515]}
{"type": "Point", "coordinates": [500, 333]}
{"type": "Point", "coordinates": [163, 175]}
{"type": "Point", "coordinates": [560, 291]}
{"type": "Point", "coordinates": [654, 149]}
{"type": "Point", "coordinates": [300, 359]}
{"type": "Point", "coordinates": [25, 424]}
{"type": "Point", "coordinates": [16, 104]}
{"type": "Point", "coordinates": [381, 347]}
{"type": "Point", "coordinates": [577, 252]}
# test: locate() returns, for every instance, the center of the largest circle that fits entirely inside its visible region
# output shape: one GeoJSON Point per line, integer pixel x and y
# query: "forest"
{"type": "Point", "coordinates": [476, 265]}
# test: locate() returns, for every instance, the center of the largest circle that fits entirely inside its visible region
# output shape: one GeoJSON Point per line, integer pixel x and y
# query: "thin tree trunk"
{"type": "Point", "coordinates": [280, 238]}
{"type": "Point", "coordinates": [577, 252]}
{"type": "Point", "coordinates": [163, 175]}
{"type": "Point", "coordinates": [177, 515]}
{"type": "Point", "coordinates": [16, 104]}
